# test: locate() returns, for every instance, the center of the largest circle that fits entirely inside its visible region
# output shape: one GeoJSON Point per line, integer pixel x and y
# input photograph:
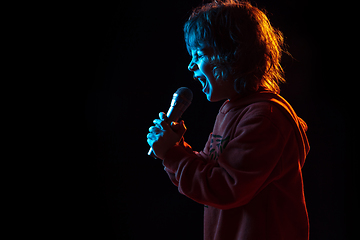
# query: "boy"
{"type": "Point", "coordinates": [248, 175]}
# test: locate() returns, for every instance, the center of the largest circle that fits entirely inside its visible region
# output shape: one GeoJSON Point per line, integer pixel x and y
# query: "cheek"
{"type": "Point", "coordinates": [207, 69]}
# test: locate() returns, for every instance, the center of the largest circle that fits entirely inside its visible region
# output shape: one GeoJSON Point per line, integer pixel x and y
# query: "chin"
{"type": "Point", "coordinates": [211, 98]}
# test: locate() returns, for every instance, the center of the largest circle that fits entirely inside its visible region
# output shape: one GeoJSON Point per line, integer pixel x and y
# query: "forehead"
{"type": "Point", "coordinates": [193, 51]}
{"type": "Point", "coordinates": [193, 43]}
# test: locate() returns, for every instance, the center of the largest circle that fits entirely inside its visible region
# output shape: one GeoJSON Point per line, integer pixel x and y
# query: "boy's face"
{"type": "Point", "coordinates": [203, 72]}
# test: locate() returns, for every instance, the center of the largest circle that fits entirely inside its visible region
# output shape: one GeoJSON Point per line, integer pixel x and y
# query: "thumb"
{"type": "Point", "coordinates": [179, 128]}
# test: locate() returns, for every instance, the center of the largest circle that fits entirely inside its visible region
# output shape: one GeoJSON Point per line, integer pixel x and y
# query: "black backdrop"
{"type": "Point", "coordinates": [132, 58]}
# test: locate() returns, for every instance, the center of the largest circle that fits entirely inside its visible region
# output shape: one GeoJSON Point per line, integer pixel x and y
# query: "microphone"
{"type": "Point", "coordinates": [180, 102]}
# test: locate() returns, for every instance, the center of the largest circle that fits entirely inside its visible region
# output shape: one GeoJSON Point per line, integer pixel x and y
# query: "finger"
{"type": "Point", "coordinates": [179, 128]}
{"type": "Point", "coordinates": [162, 116]}
{"type": "Point", "coordinates": [175, 126]}
{"type": "Point", "coordinates": [164, 125]}
{"type": "Point", "coordinates": [182, 128]}
{"type": "Point", "coordinates": [157, 123]}
{"type": "Point", "coordinates": [182, 124]}
{"type": "Point", "coordinates": [150, 142]}
{"type": "Point", "coordinates": [151, 136]}
{"type": "Point", "coordinates": [154, 129]}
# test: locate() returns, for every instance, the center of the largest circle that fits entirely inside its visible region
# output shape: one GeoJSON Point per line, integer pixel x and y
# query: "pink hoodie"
{"type": "Point", "coordinates": [249, 174]}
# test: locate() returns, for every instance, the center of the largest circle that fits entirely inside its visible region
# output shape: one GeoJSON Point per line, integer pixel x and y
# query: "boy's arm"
{"type": "Point", "coordinates": [244, 167]}
{"type": "Point", "coordinates": [187, 148]}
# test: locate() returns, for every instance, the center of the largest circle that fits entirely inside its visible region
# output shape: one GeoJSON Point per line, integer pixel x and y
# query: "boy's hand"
{"type": "Point", "coordinates": [163, 136]}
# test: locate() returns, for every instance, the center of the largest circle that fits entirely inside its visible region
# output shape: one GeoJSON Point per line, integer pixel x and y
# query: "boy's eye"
{"type": "Point", "coordinates": [198, 56]}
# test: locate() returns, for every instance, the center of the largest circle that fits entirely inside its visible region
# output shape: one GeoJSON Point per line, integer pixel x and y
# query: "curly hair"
{"type": "Point", "coordinates": [246, 48]}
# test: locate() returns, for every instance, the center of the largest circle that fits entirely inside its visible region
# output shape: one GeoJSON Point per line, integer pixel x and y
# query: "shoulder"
{"type": "Point", "coordinates": [266, 109]}
{"type": "Point", "coordinates": [268, 112]}
{"type": "Point", "coordinates": [263, 114]}
{"type": "Point", "coordinates": [261, 105]}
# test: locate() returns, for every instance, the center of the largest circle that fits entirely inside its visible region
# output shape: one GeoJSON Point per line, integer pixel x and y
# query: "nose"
{"type": "Point", "coordinates": [192, 66]}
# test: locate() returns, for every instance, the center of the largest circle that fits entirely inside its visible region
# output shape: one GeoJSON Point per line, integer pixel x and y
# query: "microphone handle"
{"type": "Point", "coordinates": [151, 153]}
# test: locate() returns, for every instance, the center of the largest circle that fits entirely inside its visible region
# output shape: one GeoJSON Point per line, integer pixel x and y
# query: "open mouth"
{"type": "Point", "coordinates": [202, 81]}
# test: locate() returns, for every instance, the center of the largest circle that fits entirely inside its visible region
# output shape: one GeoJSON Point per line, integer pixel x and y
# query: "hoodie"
{"type": "Point", "coordinates": [248, 176]}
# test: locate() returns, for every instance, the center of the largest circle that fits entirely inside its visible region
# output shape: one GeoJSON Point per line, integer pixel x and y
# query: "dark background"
{"type": "Point", "coordinates": [130, 58]}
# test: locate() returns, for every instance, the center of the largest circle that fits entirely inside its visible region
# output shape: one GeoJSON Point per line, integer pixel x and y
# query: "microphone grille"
{"type": "Point", "coordinates": [186, 93]}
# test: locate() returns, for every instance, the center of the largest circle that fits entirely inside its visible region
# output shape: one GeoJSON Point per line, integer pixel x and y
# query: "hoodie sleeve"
{"type": "Point", "coordinates": [186, 147]}
{"type": "Point", "coordinates": [247, 164]}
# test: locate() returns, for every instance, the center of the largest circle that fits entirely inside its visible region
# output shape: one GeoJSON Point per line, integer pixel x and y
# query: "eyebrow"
{"type": "Point", "coordinates": [205, 50]}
